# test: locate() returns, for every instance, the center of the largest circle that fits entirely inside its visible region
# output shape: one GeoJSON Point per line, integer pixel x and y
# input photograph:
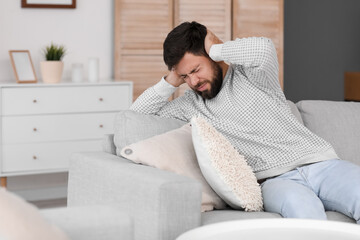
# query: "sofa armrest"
{"type": "Point", "coordinates": [91, 222]}
{"type": "Point", "coordinates": [162, 204]}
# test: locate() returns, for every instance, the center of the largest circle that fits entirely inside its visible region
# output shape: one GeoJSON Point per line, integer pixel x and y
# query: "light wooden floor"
{"type": "Point", "coordinates": [54, 203]}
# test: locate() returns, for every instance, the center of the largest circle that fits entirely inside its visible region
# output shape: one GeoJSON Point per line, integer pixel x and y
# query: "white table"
{"type": "Point", "coordinates": [275, 229]}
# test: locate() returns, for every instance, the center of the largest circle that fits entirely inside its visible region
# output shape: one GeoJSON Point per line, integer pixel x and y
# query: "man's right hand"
{"type": "Point", "coordinates": [174, 79]}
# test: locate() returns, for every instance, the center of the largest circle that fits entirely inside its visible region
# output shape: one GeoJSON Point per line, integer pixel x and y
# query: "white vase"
{"type": "Point", "coordinates": [77, 72]}
{"type": "Point", "coordinates": [51, 71]}
{"type": "Point", "coordinates": [93, 68]}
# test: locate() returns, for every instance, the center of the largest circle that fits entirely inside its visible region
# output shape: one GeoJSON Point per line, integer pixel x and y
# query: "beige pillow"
{"type": "Point", "coordinates": [224, 168]}
{"type": "Point", "coordinates": [20, 220]}
{"type": "Point", "coordinates": [174, 151]}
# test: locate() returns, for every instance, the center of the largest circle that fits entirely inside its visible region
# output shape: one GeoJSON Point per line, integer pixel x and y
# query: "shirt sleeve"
{"type": "Point", "coordinates": [164, 89]}
{"type": "Point", "coordinates": [253, 52]}
{"type": "Point", "coordinates": [256, 57]}
{"type": "Point", "coordinates": [155, 101]}
{"type": "Point", "coordinates": [215, 52]}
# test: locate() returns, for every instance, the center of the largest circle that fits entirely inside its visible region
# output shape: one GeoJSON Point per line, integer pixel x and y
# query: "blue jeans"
{"type": "Point", "coordinates": [309, 191]}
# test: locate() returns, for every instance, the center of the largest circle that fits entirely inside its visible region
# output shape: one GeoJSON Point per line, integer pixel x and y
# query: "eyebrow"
{"type": "Point", "coordinates": [192, 71]}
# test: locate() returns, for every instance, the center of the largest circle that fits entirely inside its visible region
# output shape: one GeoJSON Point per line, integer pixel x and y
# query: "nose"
{"type": "Point", "coordinates": [194, 80]}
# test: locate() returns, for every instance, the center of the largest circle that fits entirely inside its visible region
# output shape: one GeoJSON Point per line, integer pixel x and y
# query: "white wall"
{"type": "Point", "coordinates": [86, 31]}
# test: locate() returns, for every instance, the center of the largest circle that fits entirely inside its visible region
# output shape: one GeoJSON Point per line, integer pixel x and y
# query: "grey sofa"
{"type": "Point", "coordinates": [91, 222]}
{"type": "Point", "coordinates": [163, 204]}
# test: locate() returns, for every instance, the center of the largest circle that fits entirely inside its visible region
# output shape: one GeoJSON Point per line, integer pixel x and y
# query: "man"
{"type": "Point", "coordinates": [302, 174]}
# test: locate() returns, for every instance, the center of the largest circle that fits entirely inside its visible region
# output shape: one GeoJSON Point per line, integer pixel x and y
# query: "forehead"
{"type": "Point", "coordinates": [189, 62]}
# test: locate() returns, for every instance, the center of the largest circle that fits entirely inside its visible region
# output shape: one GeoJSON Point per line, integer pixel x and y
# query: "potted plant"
{"type": "Point", "coordinates": [52, 68]}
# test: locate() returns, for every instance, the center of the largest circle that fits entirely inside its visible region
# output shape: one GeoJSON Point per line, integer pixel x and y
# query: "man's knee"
{"type": "Point", "coordinates": [353, 206]}
{"type": "Point", "coordinates": [300, 206]}
{"type": "Point", "coordinates": [291, 200]}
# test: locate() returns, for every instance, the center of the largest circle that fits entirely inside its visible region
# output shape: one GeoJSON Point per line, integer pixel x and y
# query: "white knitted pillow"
{"type": "Point", "coordinates": [224, 168]}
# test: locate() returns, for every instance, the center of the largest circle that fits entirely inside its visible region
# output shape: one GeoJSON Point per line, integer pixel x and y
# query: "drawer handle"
{"type": "Point", "coordinates": [34, 157]}
{"type": "Point", "coordinates": [101, 99]}
{"type": "Point", "coordinates": [35, 129]}
{"type": "Point", "coordinates": [101, 126]}
{"type": "Point", "coordinates": [34, 101]}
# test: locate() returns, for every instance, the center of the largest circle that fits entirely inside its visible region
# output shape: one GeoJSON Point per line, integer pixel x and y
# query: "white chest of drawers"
{"type": "Point", "coordinates": [42, 125]}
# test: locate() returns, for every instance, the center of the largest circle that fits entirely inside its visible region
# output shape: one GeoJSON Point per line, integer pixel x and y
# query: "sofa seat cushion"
{"type": "Point", "coordinates": [230, 215]}
{"type": "Point", "coordinates": [336, 216]}
{"type": "Point", "coordinates": [336, 122]}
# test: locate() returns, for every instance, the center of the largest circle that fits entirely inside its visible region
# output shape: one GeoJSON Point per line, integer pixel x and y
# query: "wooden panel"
{"type": "Point", "coordinates": [142, 24]}
{"type": "Point", "coordinates": [214, 14]}
{"type": "Point", "coordinates": [352, 86]}
{"type": "Point", "coordinates": [261, 18]}
{"type": "Point", "coordinates": [141, 27]}
{"type": "Point", "coordinates": [144, 70]}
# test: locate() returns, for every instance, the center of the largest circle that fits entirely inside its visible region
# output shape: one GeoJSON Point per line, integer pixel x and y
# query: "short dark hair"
{"type": "Point", "coordinates": [188, 37]}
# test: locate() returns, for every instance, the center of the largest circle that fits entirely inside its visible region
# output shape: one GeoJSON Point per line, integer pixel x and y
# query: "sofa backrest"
{"type": "Point", "coordinates": [131, 127]}
{"type": "Point", "coordinates": [108, 145]}
{"type": "Point", "coordinates": [295, 111]}
{"type": "Point", "coordinates": [336, 122]}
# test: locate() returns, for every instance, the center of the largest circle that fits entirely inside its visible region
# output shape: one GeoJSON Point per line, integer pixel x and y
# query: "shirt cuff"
{"type": "Point", "coordinates": [215, 52]}
{"type": "Point", "coordinates": [164, 89]}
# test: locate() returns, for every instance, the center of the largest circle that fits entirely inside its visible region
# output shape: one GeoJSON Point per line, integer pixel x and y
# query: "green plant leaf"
{"type": "Point", "coordinates": [54, 52]}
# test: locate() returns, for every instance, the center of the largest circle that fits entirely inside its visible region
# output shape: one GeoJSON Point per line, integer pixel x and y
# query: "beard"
{"type": "Point", "coordinates": [215, 84]}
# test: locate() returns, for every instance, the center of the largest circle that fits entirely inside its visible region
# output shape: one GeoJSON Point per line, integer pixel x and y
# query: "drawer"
{"type": "Point", "coordinates": [66, 127]}
{"type": "Point", "coordinates": [43, 100]}
{"type": "Point", "coordinates": [43, 156]}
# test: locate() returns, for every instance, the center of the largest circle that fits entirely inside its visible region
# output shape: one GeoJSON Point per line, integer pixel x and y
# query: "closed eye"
{"type": "Point", "coordinates": [195, 70]}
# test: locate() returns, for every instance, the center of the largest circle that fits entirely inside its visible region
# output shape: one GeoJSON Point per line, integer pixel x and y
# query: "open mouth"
{"type": "Point", "coordinates": [202, 87]}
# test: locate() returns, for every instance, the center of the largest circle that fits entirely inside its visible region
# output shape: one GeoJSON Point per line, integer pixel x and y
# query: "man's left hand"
{"type": "Point", "coordinates": [211, 39]}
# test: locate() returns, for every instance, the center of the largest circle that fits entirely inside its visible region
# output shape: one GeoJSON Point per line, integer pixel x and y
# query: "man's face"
{"type": "Point", "coordinates": [203, 75]}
